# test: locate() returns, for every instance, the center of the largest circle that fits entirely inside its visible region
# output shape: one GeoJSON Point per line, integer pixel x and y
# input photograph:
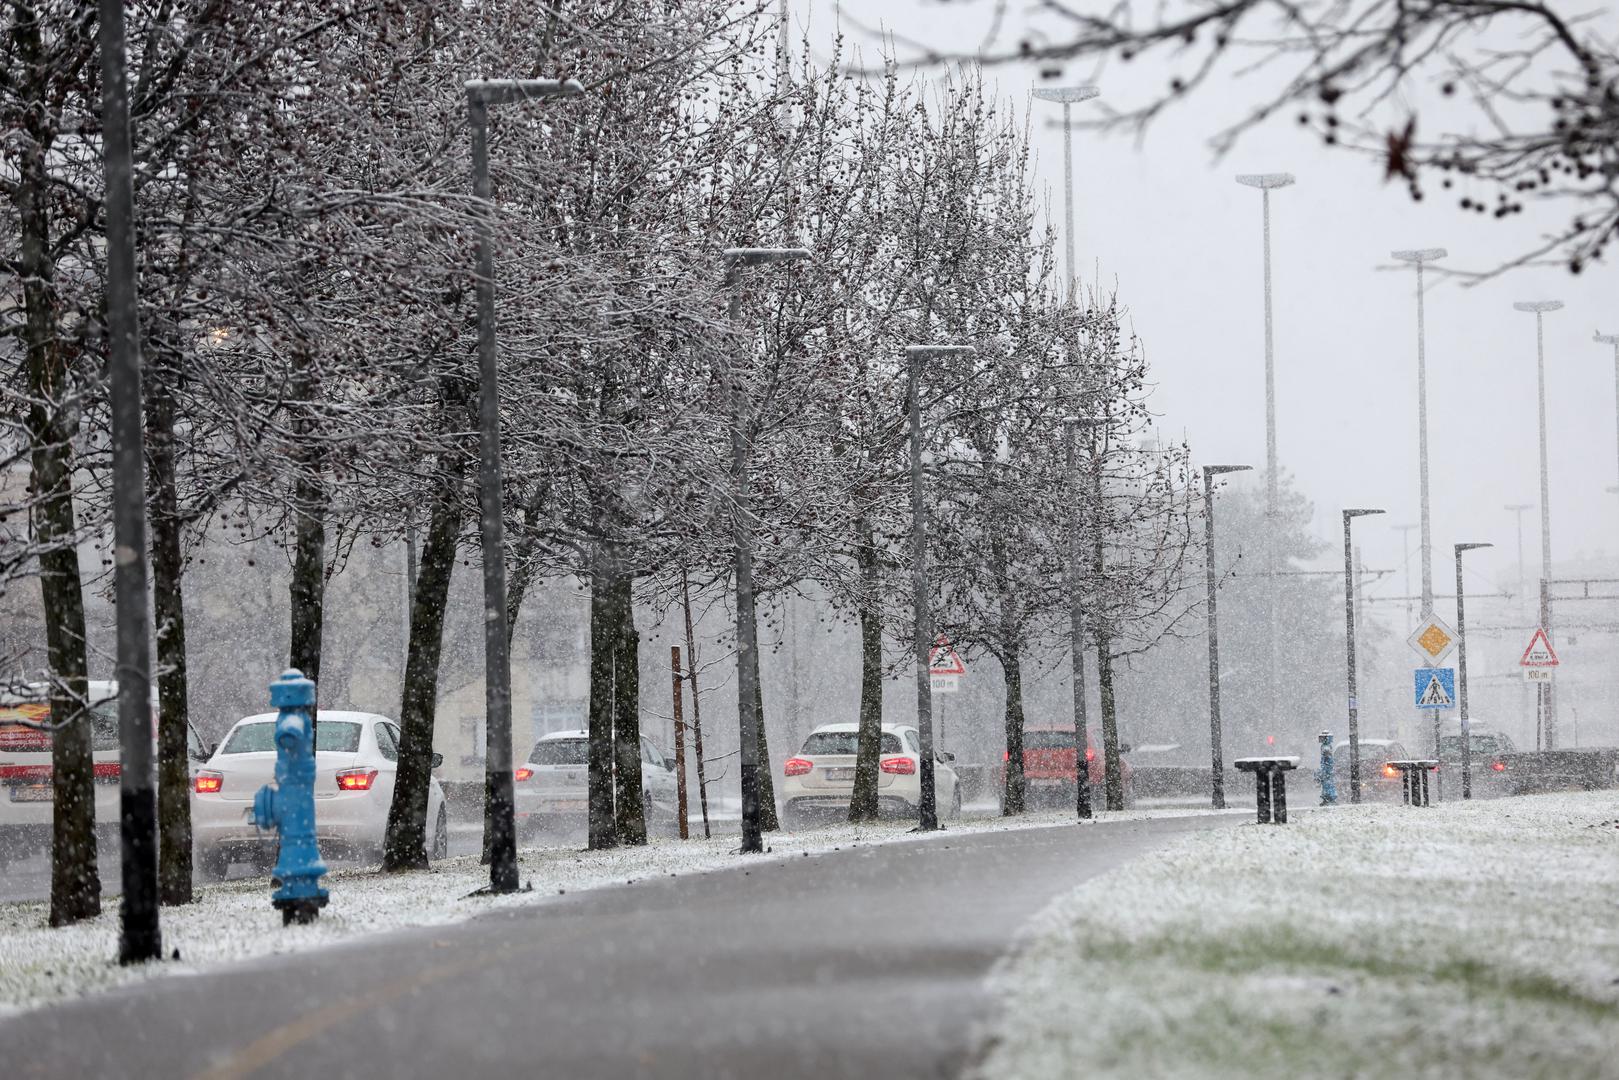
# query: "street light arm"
{"type": "Point", "coordinates": [506, 91]}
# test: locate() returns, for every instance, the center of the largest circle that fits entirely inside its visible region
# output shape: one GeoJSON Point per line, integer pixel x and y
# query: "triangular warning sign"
{"type": "Point", "coordinates": [944, 660]}
{"type": "Point", "coordinates": [1540, 652]}
{"type": "Point", "coordinates": [1434, 697]}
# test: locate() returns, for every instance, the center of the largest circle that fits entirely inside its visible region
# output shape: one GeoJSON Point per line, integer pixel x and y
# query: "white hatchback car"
{"type": "Point", "coordinates": [819, 779]}
{"type": "Point", "coordinates": [552, 784]}
{"type": "Point", "coordinates": [26, 789]}
{"type": "Point", "coordinates": [356, 759]}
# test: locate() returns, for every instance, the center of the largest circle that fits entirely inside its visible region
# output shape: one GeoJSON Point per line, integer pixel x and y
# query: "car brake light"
{"type": "Point", "coordinates": [1090, 753]}
{"type": "Point", "coordinates": [356, 779]}
{"type": "Point", "coordinates": [208, 783]}
{"type": "Point", "coordinates": [797, 767]}
{"type": "Point", "coordinates": [1390, 770]}
{"type": "Point", "coordinates": [1499, 766]}
{"type": "Point", "coordinates": [900, 766]}
{"type": "Point", "coordinates": [1006, 755]}
{"type": "Point", "coordinates": [523, 773]}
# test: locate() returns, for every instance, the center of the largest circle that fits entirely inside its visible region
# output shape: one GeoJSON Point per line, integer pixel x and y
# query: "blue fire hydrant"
{"type": "Point", "coordinates": [288, 806]}
{"type": "Point", "coordinates": [1329, 782]}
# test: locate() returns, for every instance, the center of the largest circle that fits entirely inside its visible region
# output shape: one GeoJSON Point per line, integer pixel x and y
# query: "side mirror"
{"type": "Point", "coordinates": [669, 763]}
{"type": "Point", "coordinates": [1125, 748]}
{"type": "Point", "coordinates": [946, 755]}
{"type": "Point", "coordinates": [438, 759]}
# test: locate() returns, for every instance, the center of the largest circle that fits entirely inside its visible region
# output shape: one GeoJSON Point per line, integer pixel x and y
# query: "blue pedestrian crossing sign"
{"type": "Point", "coordinates": [1435, 687]}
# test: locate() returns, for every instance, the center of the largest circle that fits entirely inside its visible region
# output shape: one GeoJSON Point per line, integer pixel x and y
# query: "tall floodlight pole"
{"type": "Point", "coordinates": [1517, 510]}
{"type": "Point", "coordinates": [747, 628]}
{"type": "Point", "coordinates": [1349, 649]}
{"type": "Point", "coordinates": [1266, 183]}
{"type": "Point", "coordinates": [915, 356]}
{"type": "Point", "coordinates": [1216, 753]}
{"type": "Point", "coordinates": [1068, 96]}
{"type": "Point", "coordinates": [1421, 257]}
{"type": "Point", "coordinates": [1548, 700]}
{"type": "Point", "coordinates": [1461, 672]}
{"type": "Point", "coordinates": [140, 938]}
{"type": "Point", "coordinates": [1611, 339]}
{"type": "Point", "coordinates": [1076, 618]}
{"type": "Point", "coordinates": [481, 94]}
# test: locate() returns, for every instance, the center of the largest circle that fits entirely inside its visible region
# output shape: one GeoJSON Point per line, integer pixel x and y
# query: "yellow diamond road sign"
{"type": "Point", "coordinates": [1433, 639]}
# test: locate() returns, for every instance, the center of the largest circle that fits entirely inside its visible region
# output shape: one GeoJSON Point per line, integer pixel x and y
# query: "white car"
{"type": "Point", "coordinates": [356, 759]}
{"type": "Point", "coordinates": [552, 784]}
{"type": "Point", "coordinates": [819, 779]}
{"type": "Point", "coordinates": [26, 789]}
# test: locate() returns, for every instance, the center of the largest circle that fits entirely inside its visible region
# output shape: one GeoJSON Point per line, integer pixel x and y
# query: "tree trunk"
{"type": "Point", "coordinates": [603, 655]}
{"type": "Point", "coordinates": [1112, 773]}
{"type": "Point", "coordinates": [863, 804]}
{"type": "Point", "coordinates": [768, 819]}
{"type": "Point", "coordinates": [629, 808]}
{"type": "Point", "coordinates": [173, 709]}
{"type": "Point", "coordinates": [52, 422]}
{"type": "Point", "coordinates": [1012, 800]}
{"type": "Point", "coordinates": [405, 843]}
{"type": "Point", "coordinates": [308, 586]}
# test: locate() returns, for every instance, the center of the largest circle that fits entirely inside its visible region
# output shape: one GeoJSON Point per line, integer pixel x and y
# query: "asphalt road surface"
{"type": "Point", "coordinates": [868, 962]}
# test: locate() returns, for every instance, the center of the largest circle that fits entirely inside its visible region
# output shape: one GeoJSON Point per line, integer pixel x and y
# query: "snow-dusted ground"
{"type": "Point", "coordinates": [234, 921]}
{"type": "Point", "coordinates": [1471, 939]}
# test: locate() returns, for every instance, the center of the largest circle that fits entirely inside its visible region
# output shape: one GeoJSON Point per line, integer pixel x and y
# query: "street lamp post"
{"type": "Point", "coordinates": [928, 805]}
{"type": "Point", "coordinates": [1266, 183]}
{"type": "Point", "coordinates": [1461, 672]}
{"type": "Point", "coordinates": [1216, 754]}
{"type": "Point", "coordinates": [1548, 701]}
{"type": "Point", "coordinates": [1349, 649]}
{"type": "Point", "coordinates": [481, 94]}
{"type": "Point", "coordinates": [747, 629]}
{"type": "Point", "coordinates": [1068, 96]}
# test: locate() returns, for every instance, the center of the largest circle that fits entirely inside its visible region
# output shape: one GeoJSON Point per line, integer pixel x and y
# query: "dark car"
{"type": "Point", "coordinates": [1378, 779]}
{"type": "Point", "coordinates": [1488, 769]}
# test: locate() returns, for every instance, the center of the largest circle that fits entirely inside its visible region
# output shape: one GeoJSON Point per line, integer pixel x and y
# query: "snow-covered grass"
{"type": "Point", "coordinates": [234, 921]}
{"type": "Point", "coordinates": [1470, 939]}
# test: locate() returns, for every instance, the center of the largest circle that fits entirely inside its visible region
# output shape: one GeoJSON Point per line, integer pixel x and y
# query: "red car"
{"type": "Point", "coordinates": [1050, 766]}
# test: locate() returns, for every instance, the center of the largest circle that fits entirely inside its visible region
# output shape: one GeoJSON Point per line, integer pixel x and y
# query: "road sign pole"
{"type": "Point", "coordinates": [1461, 672]}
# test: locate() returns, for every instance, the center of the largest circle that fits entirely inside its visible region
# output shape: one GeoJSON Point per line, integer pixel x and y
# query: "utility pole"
{"type": "Point", "coordinates": [140, 937]}
{"type": "Point", "coordinates": [1349, 647]}
{"type": "Point", "coordinates": [928, 806]}
{"type": "Point", "coordinates": [1216, 753]}
{"type": "Point", "coordinates": [1266, 183]}
{"type": "Point", "coordinates": [1545, 696]}
{"type": "Point", "coordinates": [747, 629]}
{"type": "Point", "coordinates": [1461, 672]}
{"type": "Point", "coordinates": [481, 94]}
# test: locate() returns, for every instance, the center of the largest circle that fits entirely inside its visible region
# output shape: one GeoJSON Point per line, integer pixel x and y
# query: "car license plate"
{"type": "Point", "coordinates": [840, 774]}
{"type": "Point", "coordinates": [1047, 781]}
{"type": "Point", "coordinates": [32, 793]}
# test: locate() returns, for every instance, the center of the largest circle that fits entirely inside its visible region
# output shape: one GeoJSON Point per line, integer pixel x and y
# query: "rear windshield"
{"type": "Point", "coordinates": [337, 736]}
{"type": "Point", "coordinates": [103, 726]}
{"type": "Point", "coordinates": [1451, 745]}
{"type": "Point", "coordinates": [844, 742]}
{"type": "Point", "coordinates": [560, 752]}
{"type": "Point", "coordinates": [1048, 740]}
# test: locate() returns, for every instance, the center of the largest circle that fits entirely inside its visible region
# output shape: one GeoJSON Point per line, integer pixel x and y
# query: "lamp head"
{"type": "Point", "coordinates": [505, 91]}
{"type": "Point", "coordinates": [1355, 513]}
{"type": "Point", "coordinates": [1420, 255]}
{"type": "Point", "coordinates": [1538, 305]}
{"type": "Point", "coordinates": [1605, 339]}
{"type": "Point", "coordinates": [1219, 470]}
{"type": "Point", "coordinates": [1470, 547]}
{"type": "Point", "coordinates": [928, 352]}
{"type": "Point", "coordinates": [1068, 95]}
{"type": "Point", "coordinates": [1266, 180]}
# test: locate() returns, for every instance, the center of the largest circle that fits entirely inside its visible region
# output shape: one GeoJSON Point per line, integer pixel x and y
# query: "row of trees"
{"type": "Point", "coordinates": [305, 244]}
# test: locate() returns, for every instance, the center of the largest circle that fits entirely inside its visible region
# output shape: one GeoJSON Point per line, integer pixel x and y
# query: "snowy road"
{"type": "Point", "coordinates": [863, 962]}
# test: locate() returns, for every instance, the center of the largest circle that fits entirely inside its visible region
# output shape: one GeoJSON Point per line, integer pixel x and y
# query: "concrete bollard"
{"type": "Point", "coordinates": [288, 806]}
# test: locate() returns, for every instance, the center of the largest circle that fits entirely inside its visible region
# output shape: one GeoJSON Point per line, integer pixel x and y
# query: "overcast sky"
{"type": "Point", "coordinates": [1168, 224]}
